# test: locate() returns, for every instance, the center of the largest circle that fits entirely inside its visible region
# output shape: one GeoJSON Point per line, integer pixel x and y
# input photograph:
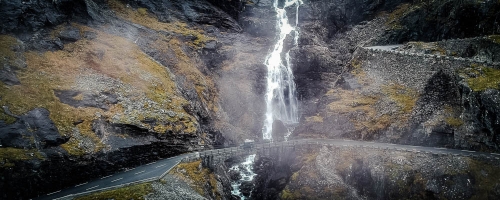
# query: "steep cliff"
{"type": "Point", "coordinates": [91, 87]}
{"type": "Point", "coordinates": [430, 91]}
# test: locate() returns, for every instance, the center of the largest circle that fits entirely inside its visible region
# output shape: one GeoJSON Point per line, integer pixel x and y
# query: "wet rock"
{"type": "Point", "coordinates": [234, 175]}
{"type": "Point", "coordinates": [22, 16]}
{"type": "Point", "coordinates": [70, 34]}
{"type": "Point", "coordinates": [72, 98]}
{"type": "Point", "coordinates": [8, 76]}
{"type": "Point", "coordinates": [31, 130]}
{"type": "Point", "coordinates": [279, 131]}
{"type": "Point", "coordinates": [197, 11]}
{"type": "Point", "coordinates": [211, 45]}
{"type": "Point", "coordinates": [246, 188]}
{"type": "Point", "coordinates": [456, 23]}
{"type": "Point", "coordinates": [89, 35]}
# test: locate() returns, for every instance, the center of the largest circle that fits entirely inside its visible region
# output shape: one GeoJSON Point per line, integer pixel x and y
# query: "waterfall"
{"type": "Point", "coordinates": [281, 100]}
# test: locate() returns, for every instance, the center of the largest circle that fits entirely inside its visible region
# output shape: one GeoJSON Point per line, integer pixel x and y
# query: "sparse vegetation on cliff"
{"type": "Point", "coordinates": [202, 180]}
{"type": "Point", "coordinates": [113, 65]}
{"type": "Point", "coordinates": [480, 78]}
{"type": "Point", "coordinates": [404, 97]}
{"type": "Point", "coordinates": [143, 17]}
{"type": "Point", "coordinates": [8, 156]}
{"type": "Point", "coordinates": [138, 191]}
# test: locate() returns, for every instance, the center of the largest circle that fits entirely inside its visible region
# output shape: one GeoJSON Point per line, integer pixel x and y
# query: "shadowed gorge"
{"type": "Point", "coordinates": [194, 90]}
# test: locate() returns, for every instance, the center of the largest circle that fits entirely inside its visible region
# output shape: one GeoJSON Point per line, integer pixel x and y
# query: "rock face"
{"type": "Point", "coordinates": [346, 173]}
{"type": "Point", "coordinates": [121, 84]}
{"type": "Point", "coordinates": [273, 173]}
{"type": "Point", "coordinates": [33, 129]}
{"type": "Point", "coordinates": [347, 91]}
{"type": "Point", "coordinates": [91, 87]}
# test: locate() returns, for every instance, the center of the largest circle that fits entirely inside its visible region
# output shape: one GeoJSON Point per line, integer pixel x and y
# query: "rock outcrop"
{"type": "Point", "coordinates": [101, 86]}
{"type": "Point", "coordinates": [92, 87]}
{"type": "Point", "coordinates": [419, 93]}
{"type": "Point", "coordinates": [357, 173]}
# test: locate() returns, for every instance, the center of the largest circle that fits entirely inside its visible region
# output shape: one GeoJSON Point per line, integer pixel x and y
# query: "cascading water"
{"type": "Point", "coordinates": [281, 100]}
{"type": "Point", "coordinates": [246, 171]}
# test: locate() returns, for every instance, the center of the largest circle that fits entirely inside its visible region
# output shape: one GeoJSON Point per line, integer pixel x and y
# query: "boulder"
{"type": "Point", "coordinates": [246, 188]}
{"type": "Point", "coordinates": [70, 34]}
{"type": "Point", "coordinates": [34, 127]}
{"type": "Point", "coordinates": [279, 131]}
{"type": "Point", "coordinates": [234, 175]}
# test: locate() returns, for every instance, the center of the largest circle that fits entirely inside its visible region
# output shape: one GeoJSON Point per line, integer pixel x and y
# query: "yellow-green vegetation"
{"type": "Point", "coordinates": [453, 121]}
{"type": "Point", "coordinates": [197, 177]}
{"type": "Point", "coordinates": [405, 97]}
{"type": "Point", "coordinates": [359, 73]}
{"type": "Point", "coordinates": [184, 64]}
{"type": "Point", "coordinates": [8, 155]}
{"type": "Point", "coordinates": [7, 56]}
{"type": "Point", "coordinates": [296, 189]}
{"type": "Point", "coordinates": [495, 38]}
{"type": "Point", "coordinates": [6, 52]}
{"type": "Point", "coordinates": [143, 17]}
{"type": "Point", "coordinates": [314, 119]}
{"type": "Point", "coordinates": [360, 108]}
{"type": "Point", "coordinates": [481, 78]}
{"type": "Point", "coordinates": [122, 61]}
{"type": "Point", "coordinates": [138, 191]}
{"type": "Point", "coordinates": [356, 64]}
{"type": "Point", "coordinates": [396, 15]}
{"type": "Point", "coordinates": [487, 178]}
{"type": "Point", "coordinates": [452, 116]}
{"type": "Point", "coordinates": [4, 117]}
{"type": "Point", "coordinates": [432, 46]}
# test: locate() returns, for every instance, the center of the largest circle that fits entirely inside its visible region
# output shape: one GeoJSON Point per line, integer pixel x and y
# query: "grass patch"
{"type": "Point", "coordinates": [361, 111]}
{"type": "Point", "coordinates": [318, 119]}
{"type": "Point", "coordinates": [393, 20]}
{"type": "Point", "coordinates": [132, 73]}
{"type": "Point", "coordinates": [3, 116]}
{"type": "Point", "coordinates": [143, 17]}
{"type": "Point", "coordinates": [453, 121]}
{"type": "Point", "coordinates": [7, 55]}
{"type": "Point", "coordinates": [308, 183]}
{"type": "Point", "coordinates": [487, 178]}
{"type": "Point", "coordinates": [495, 38]}
{"type": "Point", "coordinates": [198, 178]}
{"type": "Point", "coordinates": [481, 78]}
{"type": "Point", "coordinates": [185, 64]}
{"type": "Point", "coordinates": [8, 155]}
{"type": "Point", "coordinates": [130, 192]}
{"type": "Point", "coordinates": [405, 97]}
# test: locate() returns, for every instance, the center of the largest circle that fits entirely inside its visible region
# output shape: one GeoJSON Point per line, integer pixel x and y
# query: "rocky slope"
{"type": "Point", "coordinates": [349, 92]}
{"type": "Point", "coordinates": [91, 87]}
{"type": "Point", "coordinates": [358, 173]}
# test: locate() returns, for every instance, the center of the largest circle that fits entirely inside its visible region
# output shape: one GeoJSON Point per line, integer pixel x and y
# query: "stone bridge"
{"type": "Point", "coordinates": [213, 157]}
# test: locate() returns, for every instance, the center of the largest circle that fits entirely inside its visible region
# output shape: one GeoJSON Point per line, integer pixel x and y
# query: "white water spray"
{"type": "Point", "coordinates": [246, 172]}
{"type": "Point", "coordinates": [281, 100]}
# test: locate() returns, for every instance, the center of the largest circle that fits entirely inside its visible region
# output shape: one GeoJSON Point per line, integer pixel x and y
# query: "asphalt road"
{"type": "Point", "coordinates": [387, 48]}
{"type": "Point", "coordinates": [144, 173]}
{"type": "Point", "coordinates": [156, 170]}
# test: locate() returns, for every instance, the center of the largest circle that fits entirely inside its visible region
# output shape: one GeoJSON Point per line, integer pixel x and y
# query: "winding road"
{"type": "Point", "coordinates": [156, 170]}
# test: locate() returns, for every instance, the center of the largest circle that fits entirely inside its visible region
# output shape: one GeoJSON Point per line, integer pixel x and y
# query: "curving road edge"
{"type": "Point", "coordinates": [156, 170]}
